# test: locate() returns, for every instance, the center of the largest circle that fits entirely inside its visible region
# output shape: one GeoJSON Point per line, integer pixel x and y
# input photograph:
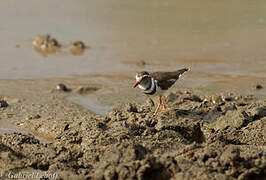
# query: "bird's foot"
{"type": "Point", "coordinates": [164, 108]}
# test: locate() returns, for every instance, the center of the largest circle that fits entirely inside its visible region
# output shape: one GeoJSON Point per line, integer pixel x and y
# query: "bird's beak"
{"type": "Point", "coordinates": [137, 83]}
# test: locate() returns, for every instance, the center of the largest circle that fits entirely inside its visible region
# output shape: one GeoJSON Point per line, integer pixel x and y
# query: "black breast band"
{"type": "Point", "coordinates": [153, 91]}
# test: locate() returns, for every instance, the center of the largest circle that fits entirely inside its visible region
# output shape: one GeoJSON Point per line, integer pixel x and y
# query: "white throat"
{"type": "Point", "coordinates": [152, 87]}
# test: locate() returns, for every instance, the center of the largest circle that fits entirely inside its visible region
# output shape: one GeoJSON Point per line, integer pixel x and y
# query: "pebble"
{"type": "Point", "coordinates": [45, 44]}
{"type": "Point", "coordinates": [258, 86]}
{"type": "Point", "coordinates": [228, 98]}
{"type": "Point", "coordinates": [102, 126]}
{"type": "Point", "coordinates": [242, 104]}
{"type": "Point", "coordinates": [66, 127]}
{"type": "Point", "coordinates": [217, 100]}
{"type": "Point", "coordinates": [77, 48]}
{"type": "Point", "coordinates": [79, 44]}
{"type": "Point", "coordinates": [125, 124]}
{"type": "Point", "coordinates": [205, 101]}
{"type": "Point", "coordinates": [218, 108]}
{"type": "Point", "coordinates": [3, 103]}
{"type": "Point", "coordinates": [62, 87]}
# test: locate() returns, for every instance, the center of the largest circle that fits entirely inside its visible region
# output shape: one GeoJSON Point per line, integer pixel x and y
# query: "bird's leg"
{"type": "Point", "coordinates": [158, 107]}
{"type": "Point", "coordinates": [164, 106]}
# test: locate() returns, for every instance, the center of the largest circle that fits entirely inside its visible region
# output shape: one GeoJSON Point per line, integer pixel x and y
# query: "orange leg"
{"type": "Point", "coordinates": [158, 107]}
{"type": "Point", "coordinates": [164, 106]}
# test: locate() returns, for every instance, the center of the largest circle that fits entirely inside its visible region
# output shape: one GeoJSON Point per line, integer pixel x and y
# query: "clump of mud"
{"type": "Point", "coordinates": [198, 137]}
{"type": "Point", "coordinates": [45, 45]}
{"type": "Point", "coordinates": [77, 48]}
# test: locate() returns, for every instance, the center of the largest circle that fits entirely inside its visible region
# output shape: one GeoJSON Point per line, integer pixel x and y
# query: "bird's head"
{"type": "Point", "coordinates": [140, 77]}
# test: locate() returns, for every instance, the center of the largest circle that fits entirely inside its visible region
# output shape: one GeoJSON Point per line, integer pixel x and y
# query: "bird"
{"type": "Point", "coordinates": [156, 83]}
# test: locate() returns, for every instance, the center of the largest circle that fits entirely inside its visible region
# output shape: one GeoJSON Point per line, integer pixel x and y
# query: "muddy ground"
{"type": "Point", "coordinates": [197, 137]}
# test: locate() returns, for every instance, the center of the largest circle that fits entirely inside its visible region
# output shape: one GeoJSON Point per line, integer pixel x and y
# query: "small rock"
{"type": "Point", "coordinates": [217, 100]}
{"type": "Point", "coordinates": [218, 108]}
{"type": "Point", "coordinates": [45, 44]}
{"type": "Point", "coordinates": [66, 127]}
{"type": "Point", "coordinates": [37, 116]}
{"type": "Point", "coordinates": [242, 104]}
{"type": "Point", "coordinates": [125, 124]}
{"type": "Point", "coordinates": [19, 124]}
{"type": "Point", "coordinates": [187, 92]}
{"type": "Point", "coordinates": [205, 101]}
{"type": "Point", "coordinates": [258, 87]}
{"type": "Point", "coordinates": [62, 87]}
{"type": "Point", "coordinates": [79, 44]}
{"type": "Point", "coordinates": [77, 48]}
{"type": "Point", "coordinates": [3, 103]}
{"type": "Point", "coordinates": [102, 125]}
{"type": "Point", "coordinates": [227, 98]}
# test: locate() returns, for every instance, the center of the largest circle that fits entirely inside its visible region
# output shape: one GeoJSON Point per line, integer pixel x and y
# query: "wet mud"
{"type": "Point", "coordinates": [198, 136]}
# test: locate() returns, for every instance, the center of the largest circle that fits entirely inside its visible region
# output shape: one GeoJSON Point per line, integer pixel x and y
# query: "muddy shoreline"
{"type": "Point", "coordinates": [219, 136]}
{"type": "Point", "coordinates": [213, 128]}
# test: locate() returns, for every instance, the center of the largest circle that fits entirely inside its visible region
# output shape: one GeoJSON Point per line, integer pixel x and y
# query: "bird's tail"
{"type": "Point", "coordinates": [178, 73]}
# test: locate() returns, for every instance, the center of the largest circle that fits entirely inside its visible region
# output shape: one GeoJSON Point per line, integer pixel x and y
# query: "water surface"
{"type": "Point", "coordinates": [223, 42]}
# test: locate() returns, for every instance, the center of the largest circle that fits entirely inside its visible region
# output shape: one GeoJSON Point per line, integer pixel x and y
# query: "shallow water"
{"type": "Point", "coordinates": [44, 138]}
{"type": "Point", "coordinates": [91, 103]}
{"type": "Point", "coordinates": [223, 42]}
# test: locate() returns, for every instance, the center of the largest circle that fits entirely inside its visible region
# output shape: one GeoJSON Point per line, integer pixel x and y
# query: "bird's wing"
{"type": "Point", "coordinates": [165, 76]}
{"type": "Point", "coordinates": [164, 85]}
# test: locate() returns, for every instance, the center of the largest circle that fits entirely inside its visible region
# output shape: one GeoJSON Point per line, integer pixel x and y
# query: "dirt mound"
{"type": "Point", "coordinates": [216, 137]}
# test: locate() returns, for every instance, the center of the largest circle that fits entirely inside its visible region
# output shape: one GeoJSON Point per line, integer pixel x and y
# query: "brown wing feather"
{"type": "Point", "coordinates": [167, 79]}
{"type": "Point", "coordinates": [165, 76]}
{"type": "Point", "coordinates": [164, 85]}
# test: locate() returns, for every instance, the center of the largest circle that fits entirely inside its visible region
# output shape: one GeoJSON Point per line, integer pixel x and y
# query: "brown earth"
{"type": "Point", "coordinates": [200, 136]}
{"type": "Point", "coordinates": [197, 137]}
